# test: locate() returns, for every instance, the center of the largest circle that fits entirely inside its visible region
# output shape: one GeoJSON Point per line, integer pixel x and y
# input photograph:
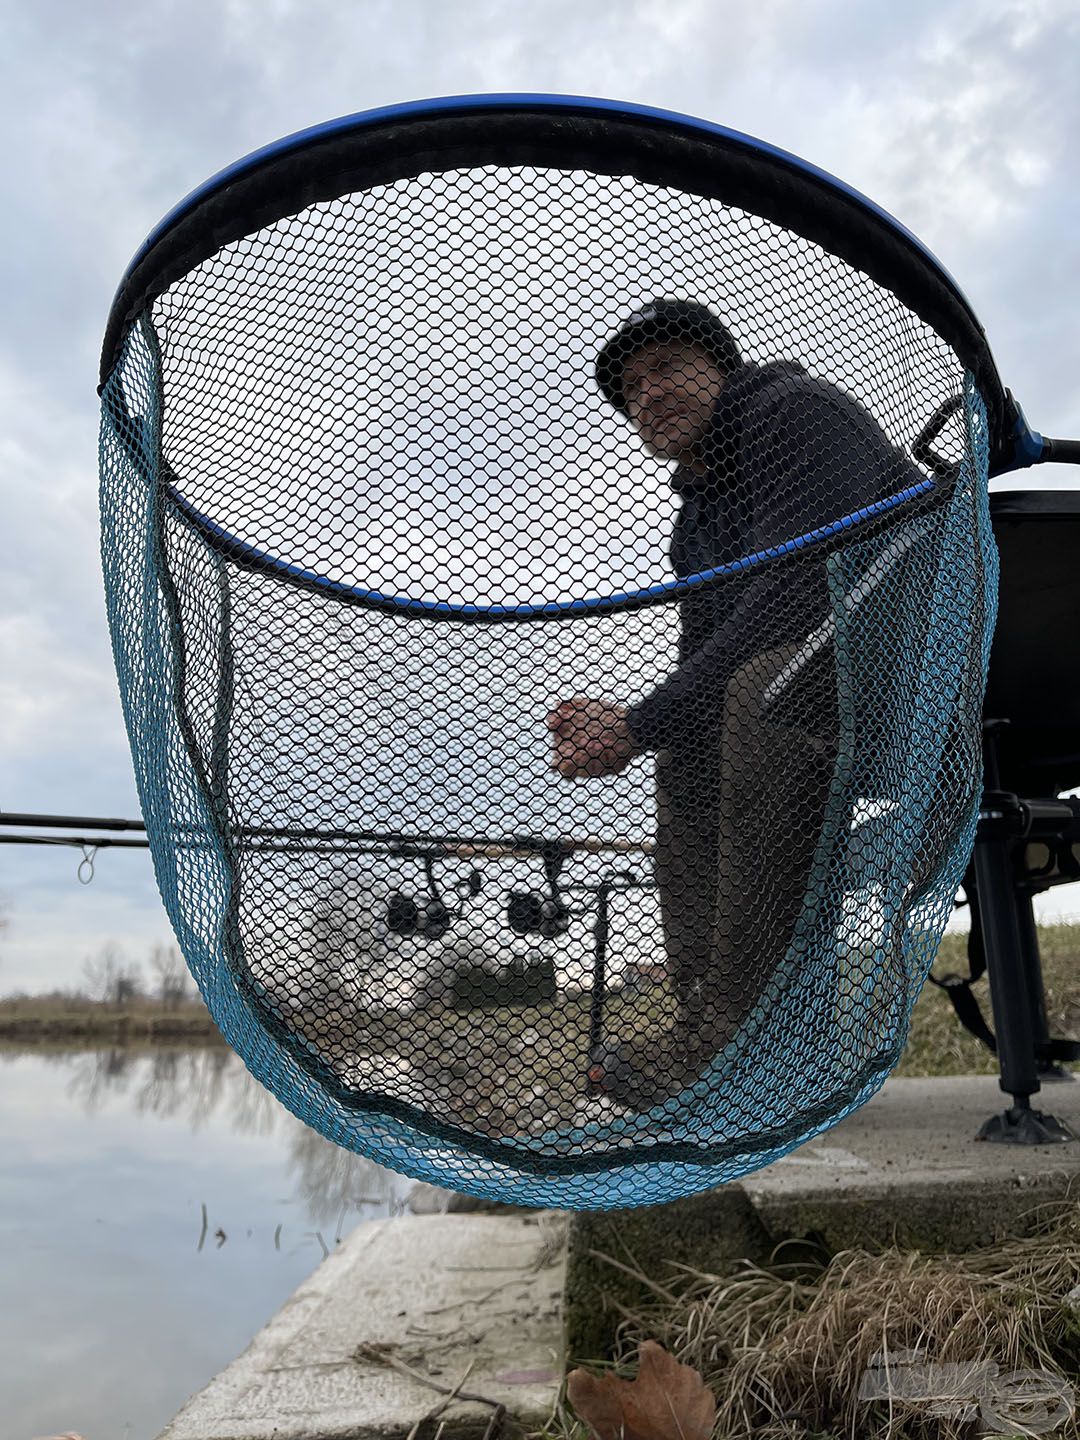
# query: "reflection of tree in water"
{"type": "Point", "coordinates": [332, 1182]}
{"type": "Point", "coordinates": [187, 1084]}
{"type": "Point", "coordinates": [193, 1084]}
{"type": "Point", "coordinates": [196, 1084]}
{"type": "Point", "coordinates": [97, 1074]}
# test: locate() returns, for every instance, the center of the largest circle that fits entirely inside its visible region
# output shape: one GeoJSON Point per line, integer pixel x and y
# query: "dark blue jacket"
{"type": "Point", "coordinates": [785, 455]}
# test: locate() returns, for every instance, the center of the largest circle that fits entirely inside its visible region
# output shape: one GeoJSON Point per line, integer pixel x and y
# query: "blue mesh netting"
{"type": "Point", "coordinates": [554, 689]}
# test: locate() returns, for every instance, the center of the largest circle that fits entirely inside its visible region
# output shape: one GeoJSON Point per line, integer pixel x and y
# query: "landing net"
{"type": "Point", "coordinates": [551, 646]}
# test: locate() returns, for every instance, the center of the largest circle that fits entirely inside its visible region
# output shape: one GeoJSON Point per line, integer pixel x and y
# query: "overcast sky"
{"type": "Point", "coordinates": [962, 120]}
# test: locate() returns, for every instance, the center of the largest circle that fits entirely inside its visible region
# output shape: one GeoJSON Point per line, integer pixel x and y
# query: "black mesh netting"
{"type": "Point", "coordinates": [554, 686]}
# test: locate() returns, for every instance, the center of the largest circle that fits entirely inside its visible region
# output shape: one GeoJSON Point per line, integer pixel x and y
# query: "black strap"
{"type": "Point", "coordinates": [967, 1007]}
{"type": "Point", "coordinates": [958, 989]}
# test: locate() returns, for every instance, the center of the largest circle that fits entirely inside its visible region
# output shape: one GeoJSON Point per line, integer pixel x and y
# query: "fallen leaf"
{"type": "Point", "coordinates": [667, 1401]}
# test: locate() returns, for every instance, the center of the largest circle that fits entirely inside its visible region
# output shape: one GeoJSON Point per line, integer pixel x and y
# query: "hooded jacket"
{"type": "Point", "coordinates": [785, 454]}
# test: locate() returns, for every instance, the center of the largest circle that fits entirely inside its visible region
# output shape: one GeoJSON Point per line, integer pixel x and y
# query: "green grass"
{"type": "Point", "coordinates": [937, 1042]}
{"type": "Point", "coordinates": [538, 1053]}
{"type": "Point", "coordinates": [520, 1068]}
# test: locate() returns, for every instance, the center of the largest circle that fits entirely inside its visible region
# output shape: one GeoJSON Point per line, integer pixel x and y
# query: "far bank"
{"type": "Point", "coordinates": [44, 1019]}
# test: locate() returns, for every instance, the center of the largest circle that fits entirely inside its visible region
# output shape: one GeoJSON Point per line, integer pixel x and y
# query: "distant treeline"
{"type": "Point", "coordinates": [34, 1018]}
{"type": "Point", "coordinates": [117, 1001]}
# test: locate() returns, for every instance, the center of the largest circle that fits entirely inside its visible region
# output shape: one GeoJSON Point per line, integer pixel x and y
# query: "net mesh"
{"type": "Point", "coordinates": [554, 688]}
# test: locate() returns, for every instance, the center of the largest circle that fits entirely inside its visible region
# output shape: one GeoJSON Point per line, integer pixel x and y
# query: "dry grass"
{"type": "Point", "coordinates": [519, 1068]}
{"type": "Point", "coordinates": [499, 1071]}
{"type": "Point", "coordinates": [48, 1019]}
{"type": "Point", "coordinates": [785, 1348]}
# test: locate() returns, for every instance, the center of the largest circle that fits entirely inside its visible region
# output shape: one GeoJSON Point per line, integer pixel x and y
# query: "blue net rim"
{"type": "Point", "coordinates": [251, 558]}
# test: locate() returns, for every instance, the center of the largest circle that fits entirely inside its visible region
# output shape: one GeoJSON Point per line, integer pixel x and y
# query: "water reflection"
{"type": "Point", "coordinates": [191, 1085]}
{"type": "Point", "coordinates": [200, 1085]}
{"type": "Point", "coordinates": [116, 1163]}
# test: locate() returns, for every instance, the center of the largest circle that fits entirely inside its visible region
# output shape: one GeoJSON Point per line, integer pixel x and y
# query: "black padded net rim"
{"type": "Point", "coordinates": [654, 150]}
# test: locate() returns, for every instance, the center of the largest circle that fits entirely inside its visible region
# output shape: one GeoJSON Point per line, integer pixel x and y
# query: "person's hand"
{"type": "Point", "coordinates": [591, 737]}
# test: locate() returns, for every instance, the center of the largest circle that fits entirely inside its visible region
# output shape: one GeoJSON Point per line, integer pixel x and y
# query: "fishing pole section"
{"type": "Point", "coordinates": [428, 912]}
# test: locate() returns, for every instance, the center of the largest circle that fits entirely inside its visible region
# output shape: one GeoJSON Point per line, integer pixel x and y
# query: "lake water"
{"type": "Point", "coordinates": [118, 1301]}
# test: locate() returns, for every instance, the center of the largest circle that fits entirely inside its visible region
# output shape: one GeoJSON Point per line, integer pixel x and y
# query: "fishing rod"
{"type": "Point", "coordinates": [464, 847]}
{"type": "Point", "coordinates": [529, 912]}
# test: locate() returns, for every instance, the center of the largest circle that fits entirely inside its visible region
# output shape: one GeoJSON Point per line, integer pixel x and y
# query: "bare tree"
{"type": "Point", "coordinates": [170, 975]}
{"type": "Point", "coordinates": [110, 978]}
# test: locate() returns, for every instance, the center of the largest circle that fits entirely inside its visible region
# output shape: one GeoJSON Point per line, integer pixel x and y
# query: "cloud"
{"type": "Point", "coordinates": [966, 136]}
{"type": "Point", "coordinates": [58, 698]}
{"type": "Point", "coordinates": [959, 119]}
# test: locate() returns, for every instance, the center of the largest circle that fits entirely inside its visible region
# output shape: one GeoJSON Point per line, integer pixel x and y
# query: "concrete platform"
{"type": "Point", "coordinates": [445, 1296]}
{"type": "Point", "coordinates": [504, 1293]}
{"type": "Point", "coordinates": [922, 1131]}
